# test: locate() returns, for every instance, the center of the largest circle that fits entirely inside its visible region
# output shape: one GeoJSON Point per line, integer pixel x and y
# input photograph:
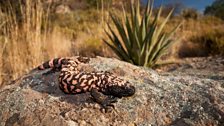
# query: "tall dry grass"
{"type": "Point", "coordinates": [27, 41]}
{"type": "Point", "coordinates": [204, 26]}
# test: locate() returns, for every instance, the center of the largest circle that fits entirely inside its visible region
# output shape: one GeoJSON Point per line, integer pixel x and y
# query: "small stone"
{"type": "Point", "coordinates": [97, 106]}
{"type": "Point", "coordinates": [62, 9]}
{"type": "Point", "coordinates": [131, 124]}
{"type": "Point", "coordinates": [72, 123]}
{"type": "Point", "coordinates": [82, 123]}
{"type": "Point", "coordinates": [41, 102]}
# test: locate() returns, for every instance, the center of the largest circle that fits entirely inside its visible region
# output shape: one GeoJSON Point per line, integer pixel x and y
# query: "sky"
{"type": "Point", "coordinates": [197, 4]}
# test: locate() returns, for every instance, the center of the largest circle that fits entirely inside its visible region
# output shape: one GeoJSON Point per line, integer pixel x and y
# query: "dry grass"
{"type": "Point", "coordinates": [194, 28]}
{"type": "Point", "coordinates": [91, 45]}
{"type": "Point", "coordinates": [25, 43]}
{"type": "Point", "coordinates": [23, 39]}
{"type": "Point", "coordinates": [38, 36]}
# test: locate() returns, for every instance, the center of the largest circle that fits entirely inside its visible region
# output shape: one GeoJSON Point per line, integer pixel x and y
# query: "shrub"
{"type": "Point", "coordinates": [190, 13]}
{"type": "Point", "coordinates": [213, 41]}
{"type": "Point", "coordinates": [216, 9]}
{"type": "Point", "coordinates": [140, 40]}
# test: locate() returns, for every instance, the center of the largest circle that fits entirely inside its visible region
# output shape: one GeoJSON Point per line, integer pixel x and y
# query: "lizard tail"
{"type": "Point", "coordinates": [53, 63]}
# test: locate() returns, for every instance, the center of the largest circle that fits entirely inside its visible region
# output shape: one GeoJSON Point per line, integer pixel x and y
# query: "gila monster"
{"type": "Point", "coordinates": [104, 87]}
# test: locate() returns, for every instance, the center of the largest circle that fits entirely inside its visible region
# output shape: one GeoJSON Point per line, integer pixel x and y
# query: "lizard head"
{"type": "Point", "coordinates": [121, 91]}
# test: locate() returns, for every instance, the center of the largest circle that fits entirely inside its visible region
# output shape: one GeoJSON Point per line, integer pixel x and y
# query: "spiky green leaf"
{"type": "Point", "coordinates": [140, 40]}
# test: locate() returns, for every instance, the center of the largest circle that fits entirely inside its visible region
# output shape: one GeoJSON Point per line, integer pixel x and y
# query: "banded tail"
{"type": "Point", "coordinates": [53, 63]}
{"type": "Point", "coordinates": [58, 62]}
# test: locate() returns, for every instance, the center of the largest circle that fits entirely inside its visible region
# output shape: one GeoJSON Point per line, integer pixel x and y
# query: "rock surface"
{"type": "Point", "coordinates": [177, 98]}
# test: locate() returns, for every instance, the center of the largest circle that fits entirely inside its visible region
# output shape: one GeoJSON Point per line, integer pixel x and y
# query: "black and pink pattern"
{"type": "Point", "coordinates": [74, 81]}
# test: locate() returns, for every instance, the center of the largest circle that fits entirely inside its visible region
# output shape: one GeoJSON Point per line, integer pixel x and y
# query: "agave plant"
{"type": "Point", "coordinates": [140, 39]}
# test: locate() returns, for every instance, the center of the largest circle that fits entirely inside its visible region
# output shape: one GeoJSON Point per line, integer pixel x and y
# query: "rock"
{"type": "Point", "coordinates": [167, 99]}
{"type": "Point", "coordinates": [62, 9]}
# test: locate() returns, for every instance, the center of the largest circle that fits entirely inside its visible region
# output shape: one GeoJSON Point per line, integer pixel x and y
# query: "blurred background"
{"type": "Point", "coordinates": [33, 31]}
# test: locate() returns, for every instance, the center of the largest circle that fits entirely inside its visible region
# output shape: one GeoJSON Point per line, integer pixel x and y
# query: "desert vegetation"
{"type": "Point", "coordinates": [143, 40]}
{"type": "Point", "coordinates": [34, 31]}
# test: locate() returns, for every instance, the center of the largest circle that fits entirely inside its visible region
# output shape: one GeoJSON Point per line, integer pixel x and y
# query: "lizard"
{"type": "Point", "coordinates": [103, 86]}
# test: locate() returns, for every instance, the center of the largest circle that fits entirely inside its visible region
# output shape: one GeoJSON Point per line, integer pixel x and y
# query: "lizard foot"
{"type": "Point", "coordinates": [105, 101]}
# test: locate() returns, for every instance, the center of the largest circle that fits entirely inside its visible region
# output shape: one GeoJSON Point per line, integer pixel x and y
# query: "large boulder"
{"type": "Point", "coordinates": [161, 99]}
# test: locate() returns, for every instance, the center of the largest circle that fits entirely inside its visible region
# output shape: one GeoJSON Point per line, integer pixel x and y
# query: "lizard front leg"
{"type": "Point", "coordinates": [104, 100]}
